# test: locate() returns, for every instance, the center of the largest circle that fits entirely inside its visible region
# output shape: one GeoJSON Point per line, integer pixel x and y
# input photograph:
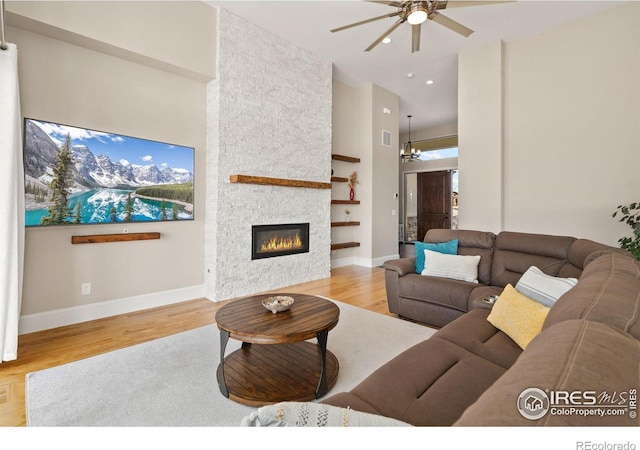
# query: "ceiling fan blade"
{"type": "Point", "coordinates": [463, 3]}
{"type": "Point", "coordinates": [385, 34]}
{"type": "Point", "coordinates": [450, 23]}
{"type": "Point", "coordinates": [394, 4]}
{"type": "Point", "coordinates": [415, 38]}
{"type": "Point", "coordinates": [373, 19]}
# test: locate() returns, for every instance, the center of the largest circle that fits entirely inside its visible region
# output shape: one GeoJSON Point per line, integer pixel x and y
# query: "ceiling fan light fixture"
{"type": "Point", "coordinates": [417, 14]}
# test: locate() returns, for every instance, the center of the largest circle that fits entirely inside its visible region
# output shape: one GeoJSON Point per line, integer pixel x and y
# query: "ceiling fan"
{"type": "Point", "coordinates": [416, 13]}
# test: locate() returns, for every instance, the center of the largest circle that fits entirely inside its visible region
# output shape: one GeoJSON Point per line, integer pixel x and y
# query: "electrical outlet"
{"type": "Point", "coordinates": [85, 289]}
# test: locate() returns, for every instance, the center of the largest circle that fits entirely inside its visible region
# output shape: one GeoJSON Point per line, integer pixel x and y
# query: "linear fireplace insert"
{"type": "Point", "coordinates": [278, 240]}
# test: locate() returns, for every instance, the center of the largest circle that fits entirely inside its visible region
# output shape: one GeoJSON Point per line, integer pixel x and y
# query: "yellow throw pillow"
{"type": "Point", "coordinates": [518, 316]}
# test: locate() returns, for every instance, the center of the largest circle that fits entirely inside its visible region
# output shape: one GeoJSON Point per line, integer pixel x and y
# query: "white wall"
{"type": "Point", "coordinates": [480, 138]}
{"type": "Point", "coordinates": [358, 121]}
{"type": "Point", "coordinates": [269, 115]}
{"type": "Point", "coordinates": [63, 81]}
{"type": "Point", "coordinates": [385, 198]}
{"type": "Point", "coordinates": [571, 127]}
{"type": "Point", "coordinates": [441, 130]}
{"type": "Point", "coordinates": [345, 113]}
{"type": "Point", "coordinates": [175, 36]}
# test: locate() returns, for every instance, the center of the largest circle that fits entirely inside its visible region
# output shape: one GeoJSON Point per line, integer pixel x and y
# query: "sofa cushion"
{"type": "Point", "coordinates": [431, 314]}
{"type": "Point", "coordinates": [518, 316]}
{"type": "Point", "coordinates": [441, 291]}
{"type": "Point", "coordinates": [543, 288]}
{"type": "Point", "coordinates": [457, 267]}
{"type": "Point", "coordinates": [448, 248]}
{"type": "Point", "coordinates": [580, 254]}
{"type": "Point", "coordinates": [572, 356]}
{"type": "Point", "coordinates": [474, 333]}
{"type": "Point", "coordinates": [422, 385]}
{"type": "Point", "coordinates": [470, 242]}
{"type": "Point", "coordinates": [608, 292]}
{"type": "Point", "coordinates": [515, 252]}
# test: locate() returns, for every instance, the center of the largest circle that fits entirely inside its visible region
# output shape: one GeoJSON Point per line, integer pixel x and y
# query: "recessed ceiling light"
{"type": "Point", "coordinates": [386, 40]}
{"type": "Point", "coordinates": [429, 81]}
{"type": "Point", "coordinates": [410, 75]}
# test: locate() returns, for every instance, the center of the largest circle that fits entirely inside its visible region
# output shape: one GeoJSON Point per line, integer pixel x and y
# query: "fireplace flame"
{"type": "Point", "coordinates": [276, 244]}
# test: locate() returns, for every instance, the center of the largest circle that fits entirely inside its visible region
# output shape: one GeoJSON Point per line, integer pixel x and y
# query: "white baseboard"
{"type": "Point", "coordinates": [377, 262]}
{"type": "Point", "coordinates": [365, 262]}
{"type": "Point", "coordinates": [341, 262]}
{"type": "Point", "coordinates": [68, 316]}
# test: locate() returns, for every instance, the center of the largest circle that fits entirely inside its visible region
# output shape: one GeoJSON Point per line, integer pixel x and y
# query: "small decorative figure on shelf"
{"type": "Point", "coordinates": [347, 212]}
{"type": "Point", "coordinates": [353, 180]}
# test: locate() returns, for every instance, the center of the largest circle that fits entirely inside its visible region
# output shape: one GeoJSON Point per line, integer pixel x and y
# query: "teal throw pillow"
{"type": "Point", "coordinates": [448, 248]}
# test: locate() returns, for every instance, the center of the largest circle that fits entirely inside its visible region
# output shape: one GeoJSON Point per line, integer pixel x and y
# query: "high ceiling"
{"type": "Point", "coordinates": [308, 24]}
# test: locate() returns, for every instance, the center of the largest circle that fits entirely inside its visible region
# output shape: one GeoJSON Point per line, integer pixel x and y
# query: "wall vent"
{"type": "Point", "coordinates": [386, 138]}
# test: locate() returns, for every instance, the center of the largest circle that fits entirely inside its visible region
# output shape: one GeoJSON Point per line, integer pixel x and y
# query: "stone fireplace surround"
{"type": "Point", "coordinates": [269, 115]}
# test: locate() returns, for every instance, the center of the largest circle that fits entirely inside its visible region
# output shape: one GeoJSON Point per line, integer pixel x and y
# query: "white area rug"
{"type": "Point", "coordinates": [172, 381]}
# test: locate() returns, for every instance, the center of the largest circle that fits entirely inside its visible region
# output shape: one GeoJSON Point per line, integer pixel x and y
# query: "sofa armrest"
{"type": "Point", "coordinates": [403, 266]}
{"type": "Point", "coordinates": [394, 270]}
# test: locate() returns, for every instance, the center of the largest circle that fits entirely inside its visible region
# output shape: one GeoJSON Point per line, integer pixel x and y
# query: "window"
{"type": "Point", "coordinates": [437, 148]}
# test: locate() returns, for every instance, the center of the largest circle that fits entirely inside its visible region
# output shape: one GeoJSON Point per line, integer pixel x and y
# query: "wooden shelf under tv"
{"type": "Point", "coordinates": [339, 180]}
{"type": "Point", "coordinates": [116, 237]}
{"type": "Point", "coordinates": [344, 245]}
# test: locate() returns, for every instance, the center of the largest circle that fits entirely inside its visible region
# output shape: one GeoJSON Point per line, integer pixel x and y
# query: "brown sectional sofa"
{"type": "Point", "coordinates": [504, 258]}
{"type": "Point", "coordinates": [586, 359]}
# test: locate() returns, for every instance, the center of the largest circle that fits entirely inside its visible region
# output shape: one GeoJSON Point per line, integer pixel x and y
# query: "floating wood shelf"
{"type": "Point", "coordinates": [345, 202]}
{"type": "Point", "coordinates": [339, 180]}
{"type": "Point", "coordinates": [345, 224]}
{"type": "Point", "coordinates": [118, 237]}
{"type": "Point", "coordinates": [249, 179]}
{"type": "Point", "coordinates": [350, 159]}
{"type": "Point", "coordinates": [345, 245]}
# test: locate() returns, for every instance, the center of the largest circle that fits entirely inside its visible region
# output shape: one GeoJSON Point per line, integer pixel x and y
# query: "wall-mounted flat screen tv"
{"type": "Point", "coordinates": [80, 176]}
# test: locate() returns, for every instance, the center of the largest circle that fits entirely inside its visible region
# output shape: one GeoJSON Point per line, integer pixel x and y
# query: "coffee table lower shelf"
{"type": "Point", "coordinates": [258, 375]}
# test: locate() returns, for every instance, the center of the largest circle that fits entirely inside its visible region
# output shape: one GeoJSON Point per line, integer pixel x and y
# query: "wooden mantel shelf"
{"type": "Point", "coordinates": [118, 237]}
{"type": "Point", "coordinates": [249, 179]}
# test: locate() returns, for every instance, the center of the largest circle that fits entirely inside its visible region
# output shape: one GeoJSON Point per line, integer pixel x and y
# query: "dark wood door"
{"type": "Point", "coordinates": [434, 201]}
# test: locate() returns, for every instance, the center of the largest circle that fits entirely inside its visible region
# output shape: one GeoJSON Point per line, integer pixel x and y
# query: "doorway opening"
{"type": "Point", "coordinates": [430, 201]}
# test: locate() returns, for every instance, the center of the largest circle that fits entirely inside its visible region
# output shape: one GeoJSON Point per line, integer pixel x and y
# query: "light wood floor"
{"type": "Point", "coordinates": [358, 286]}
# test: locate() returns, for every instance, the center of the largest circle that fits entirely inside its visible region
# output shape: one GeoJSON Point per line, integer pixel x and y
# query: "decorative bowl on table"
{"type": "Point", "coordinates": [278, 303]}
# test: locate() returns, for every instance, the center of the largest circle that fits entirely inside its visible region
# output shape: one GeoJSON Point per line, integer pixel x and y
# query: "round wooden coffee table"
{"type": "Point", "coordinates": [293, 370]}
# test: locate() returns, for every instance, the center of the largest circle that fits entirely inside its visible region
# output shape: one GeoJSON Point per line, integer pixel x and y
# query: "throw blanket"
{"type": "Point", "coordinates": [309, 414]}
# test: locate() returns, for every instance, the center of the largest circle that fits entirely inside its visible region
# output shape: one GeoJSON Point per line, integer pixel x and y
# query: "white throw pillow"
{"type": "Point", "coordinates": [543, 288]}
{"type": "Point", "coordinates": [457, 267]}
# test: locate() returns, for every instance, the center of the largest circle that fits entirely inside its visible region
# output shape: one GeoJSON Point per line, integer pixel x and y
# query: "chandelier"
{"type": "Point", "coordinates": [407, 152]}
